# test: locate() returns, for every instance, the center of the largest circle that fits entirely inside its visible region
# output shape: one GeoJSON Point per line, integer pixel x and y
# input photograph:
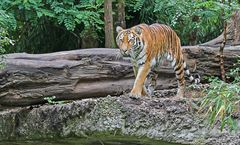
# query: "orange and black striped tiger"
{"type": "Point", "coordinates": [147, 45]}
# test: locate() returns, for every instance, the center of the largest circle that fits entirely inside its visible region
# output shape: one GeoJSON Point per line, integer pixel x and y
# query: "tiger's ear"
{"type": "Point", "coordinates": [119, 29]}
{"type": "Point", "coordinates": [138, 30]}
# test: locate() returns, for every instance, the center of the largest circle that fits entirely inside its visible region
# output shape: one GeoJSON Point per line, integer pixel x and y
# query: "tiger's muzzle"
{"type": "Point", "coordinates": [125, 52]}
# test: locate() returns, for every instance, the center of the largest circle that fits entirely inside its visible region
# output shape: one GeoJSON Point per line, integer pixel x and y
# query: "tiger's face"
{"type": "Point", "coordinates": [127, 40]}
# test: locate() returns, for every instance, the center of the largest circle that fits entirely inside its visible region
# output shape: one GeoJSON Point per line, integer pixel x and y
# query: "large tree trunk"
{"type": "Point", "coordinates": [233, 33]}
{"type": "Point", "coordinates": [70, 75]}
{"type": "Point", "coordinates": [121, 13]}
{"type": "Point", "coordinates": [109, 39]}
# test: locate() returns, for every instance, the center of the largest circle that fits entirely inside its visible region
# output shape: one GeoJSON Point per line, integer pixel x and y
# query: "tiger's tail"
{"type": "Point", "coordinates": [180, 67]}
{"type": "Point", "coordinates": [195, 79]}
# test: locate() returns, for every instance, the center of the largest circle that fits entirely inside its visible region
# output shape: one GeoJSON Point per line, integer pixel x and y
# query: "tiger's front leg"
{"type": "Point", "coordinates": [135, 70]}
{"type": "Point", "coordinates": [138, 88]}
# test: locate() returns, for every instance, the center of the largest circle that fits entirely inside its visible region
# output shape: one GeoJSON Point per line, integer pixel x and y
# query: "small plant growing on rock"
{"type": "Point", "coordinates": [222, 100]}
{"type": "Point", "coordinates": [50, 100]}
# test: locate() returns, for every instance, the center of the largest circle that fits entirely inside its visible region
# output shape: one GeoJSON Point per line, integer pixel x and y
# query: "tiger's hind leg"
{"type": "Point", "coordinates": [177, 64]}
{"type": "Point", "coordinates": [152, 82]}
{"type": "Point", "coordinates": [179, 70]}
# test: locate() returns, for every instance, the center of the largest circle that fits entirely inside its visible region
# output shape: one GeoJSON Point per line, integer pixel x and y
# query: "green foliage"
{"type": "Point", "coordinates": [194, 21]}
{"type": "Point", "coordinates": [235, 73]}
{"type": "Point", "coordinates": [59, 23]}
{"type": "Point", "coordinates": [7, 22]}
{"type": "Point", "coordinates": [222, 100]}
{"type": "Point", "coordinates": [50, 100]}
{"type": "Point", "coordinates": [2, 58]}
{"type": "Point", "coordinates": [65, 12]}
{"type": "Point", "coordinates": [145, 7]}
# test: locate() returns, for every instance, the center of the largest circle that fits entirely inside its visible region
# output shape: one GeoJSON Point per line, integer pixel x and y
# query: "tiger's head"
{"type": "Point", "coordinates": [128, 39]}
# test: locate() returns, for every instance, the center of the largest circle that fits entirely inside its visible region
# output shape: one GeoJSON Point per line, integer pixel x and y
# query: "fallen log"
{"type": "Point", "coordinates": [28, 78]}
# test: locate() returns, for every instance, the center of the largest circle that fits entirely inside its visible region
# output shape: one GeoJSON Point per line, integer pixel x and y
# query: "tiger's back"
{"type": "Point", "coordinates": [160, 39]}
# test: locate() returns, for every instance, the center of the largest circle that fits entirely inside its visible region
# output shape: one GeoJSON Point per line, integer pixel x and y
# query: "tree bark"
{"type": "Point", "coordinates": [28, 78]}
{"type": "Point", "coordinates": [121, 13]}
{"type": "Point", "coordinates": [108, 19]}
{"type": "Point", "coordinates": [233, 33]}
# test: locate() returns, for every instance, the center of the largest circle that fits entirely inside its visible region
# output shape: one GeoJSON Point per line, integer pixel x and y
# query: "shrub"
{"type": "Point", "coordinates": [222, 100]}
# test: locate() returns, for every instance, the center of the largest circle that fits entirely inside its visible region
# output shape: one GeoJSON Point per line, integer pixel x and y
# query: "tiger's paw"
{"type": "Point", "coordinates": [178, 97]}
{"type": "Point", "coordinates": [180, 94]}
{"type": "Point", "coordinates": [135, 94]}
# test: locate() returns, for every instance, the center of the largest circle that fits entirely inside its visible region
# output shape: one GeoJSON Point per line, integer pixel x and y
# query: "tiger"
{"type": "Point", "coordinates": [147, 45]}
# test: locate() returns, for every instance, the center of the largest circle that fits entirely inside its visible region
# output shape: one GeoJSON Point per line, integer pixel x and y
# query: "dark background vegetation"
{"type": "Point", "coordinates": [40, 26]}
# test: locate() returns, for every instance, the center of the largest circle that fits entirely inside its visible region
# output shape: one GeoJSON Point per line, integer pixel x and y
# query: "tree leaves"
{"type": "Point", "coordinates": [7, 20]}
{"type": "Point", "coordinates": [194, 21]}
{"type": "Point", "coordinates": [36, 17]}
